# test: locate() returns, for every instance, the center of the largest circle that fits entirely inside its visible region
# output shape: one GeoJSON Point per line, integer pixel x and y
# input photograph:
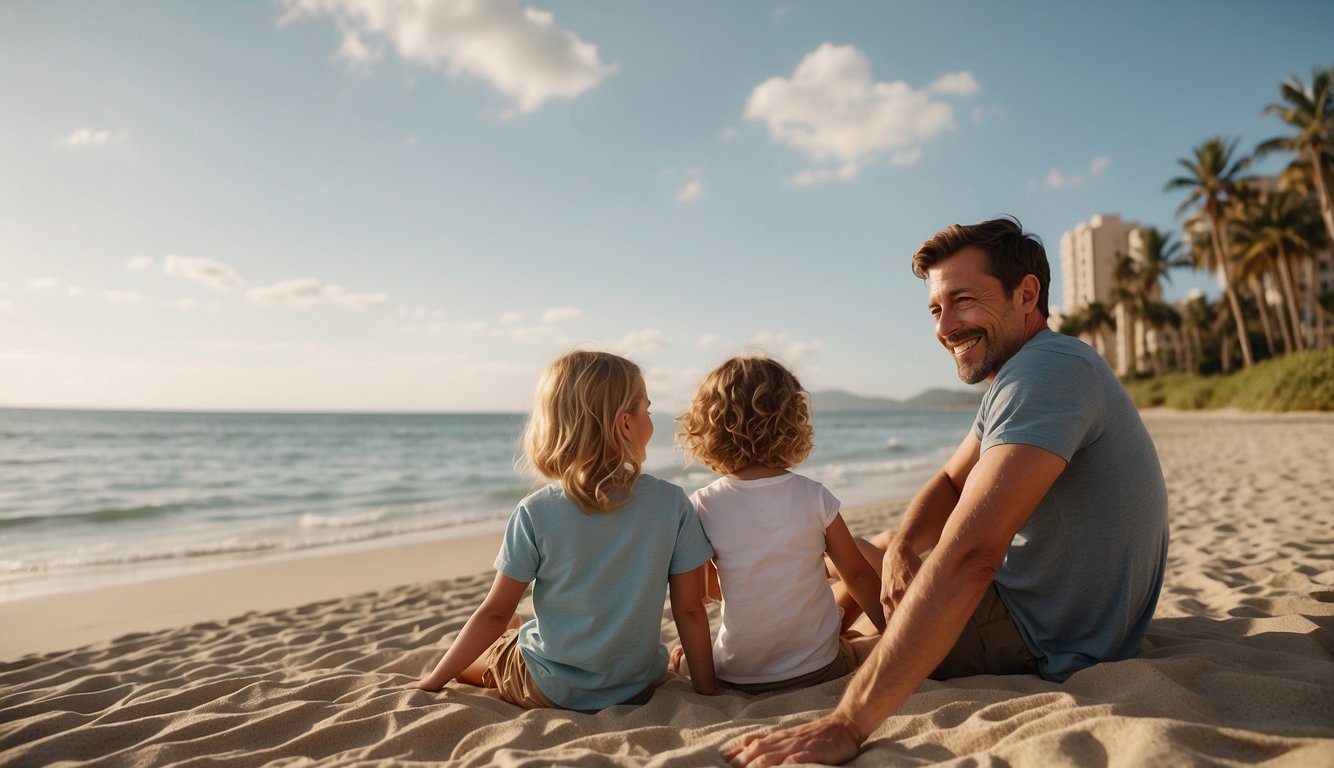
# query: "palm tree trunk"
{"type": "Point", "coordinates": [1280, 309]}
{"type": "Point", "coordinates": [1247, 360]}
{"type": "Point", "coordinates": [1322, 187]}
{"type": "Point", "coordinates": [1262, 306]}
{"type": "Point", "coordinates": [1290, 296]}
{"type": "Point", "coordinates": [1313, 304]}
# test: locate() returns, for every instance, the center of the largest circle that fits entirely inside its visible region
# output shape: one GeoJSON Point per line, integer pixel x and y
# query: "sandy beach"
{"type": "Point", "coordinates": [303, 661]}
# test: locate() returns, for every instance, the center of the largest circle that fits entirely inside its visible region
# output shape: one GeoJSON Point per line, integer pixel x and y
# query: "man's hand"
{"type": "Point", "coordinates": [899, 568]}
{"type": "Point", "coordinates": [829, 740]}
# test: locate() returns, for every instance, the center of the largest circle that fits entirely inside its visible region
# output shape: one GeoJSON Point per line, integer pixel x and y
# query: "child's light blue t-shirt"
{"type": "Point", "coordinates": [1082, 576]}
{"type": "Point", "coordinates": [599, 587]}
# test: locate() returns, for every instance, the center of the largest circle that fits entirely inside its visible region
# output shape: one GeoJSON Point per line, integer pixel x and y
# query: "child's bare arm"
{"type": "Point", "coordinates": [486, 624]}
{"type": "Point", "coordinates": [857, 574]}
{"type": "Point", "coordinates": [713, 589]}
{"type": "Point", "coordinates": [692, 625]}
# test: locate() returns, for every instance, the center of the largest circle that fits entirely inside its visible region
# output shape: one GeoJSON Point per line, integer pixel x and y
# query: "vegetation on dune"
{"type": "Point", "coordinates": [1296, 382]}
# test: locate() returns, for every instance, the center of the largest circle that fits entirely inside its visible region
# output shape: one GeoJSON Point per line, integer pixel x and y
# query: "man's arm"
{"type": "Point", "coordinates": [1003, 490]}
{"type": "Point", "coordinates": [923, 522]}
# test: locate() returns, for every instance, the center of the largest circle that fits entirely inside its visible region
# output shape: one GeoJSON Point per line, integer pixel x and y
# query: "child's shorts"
{"type": "Point", "coordinates": [508, 674]}
{"type": "Point", "coordinates": [852, 651]}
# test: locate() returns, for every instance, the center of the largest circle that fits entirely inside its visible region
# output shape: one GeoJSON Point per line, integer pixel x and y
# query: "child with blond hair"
{"type": "Point", "coordinates": [771, 529]}
{"type": "Point", "coordinates": [602, 545]}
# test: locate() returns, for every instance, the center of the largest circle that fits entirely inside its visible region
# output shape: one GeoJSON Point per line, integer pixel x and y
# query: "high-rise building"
{"type": "Point", "coordinates": [1088, 256]}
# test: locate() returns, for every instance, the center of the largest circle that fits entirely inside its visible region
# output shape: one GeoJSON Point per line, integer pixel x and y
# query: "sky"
{"type": "Point", "coordinates": [384, 205]}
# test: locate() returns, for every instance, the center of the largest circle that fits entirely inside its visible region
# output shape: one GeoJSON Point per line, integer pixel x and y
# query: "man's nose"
{"type": "Point", "coordinates": [946, 322]}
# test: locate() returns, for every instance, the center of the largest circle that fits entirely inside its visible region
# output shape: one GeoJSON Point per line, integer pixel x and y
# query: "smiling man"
{"type": "Point", "coordinates": [1047, 528]}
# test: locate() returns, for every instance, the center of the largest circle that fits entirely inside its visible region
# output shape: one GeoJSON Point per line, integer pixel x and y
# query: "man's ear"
{"type": "Point", "coordinates": [1029, 288]}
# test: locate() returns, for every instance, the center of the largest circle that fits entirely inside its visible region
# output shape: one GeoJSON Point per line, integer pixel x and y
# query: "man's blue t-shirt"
{"type": "Point", "coordinates": [599, 586]}
{"type": "Point", "coordinates": [1082, 576]}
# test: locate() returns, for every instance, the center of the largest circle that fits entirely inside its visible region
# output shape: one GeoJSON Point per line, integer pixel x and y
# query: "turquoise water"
{"type": "Point", "coordinates": [89, 496]}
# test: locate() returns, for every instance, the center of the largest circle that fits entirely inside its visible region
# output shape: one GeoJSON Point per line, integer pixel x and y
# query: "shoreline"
{"type": "Point", "coordinates": [57, 621]}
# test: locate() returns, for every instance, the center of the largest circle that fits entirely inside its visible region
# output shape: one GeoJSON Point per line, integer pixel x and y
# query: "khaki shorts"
{"type": "Point", "coordinates": [990, 644]}
{"type": "Point", "coordinates": [852, 651]}
{"type": "Point", "coordinates": [507, 672]}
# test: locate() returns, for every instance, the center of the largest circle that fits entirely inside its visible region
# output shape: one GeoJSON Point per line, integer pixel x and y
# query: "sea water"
{"type": "Point", "coordinates": [92, 497]}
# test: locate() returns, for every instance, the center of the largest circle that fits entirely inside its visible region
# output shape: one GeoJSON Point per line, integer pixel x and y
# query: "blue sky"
{"type": "Point", "coordinates": [403, 206]}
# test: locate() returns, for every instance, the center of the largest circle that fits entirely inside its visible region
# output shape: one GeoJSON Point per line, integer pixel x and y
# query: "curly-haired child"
{"type": "Point", "coordinates": [771, 530]}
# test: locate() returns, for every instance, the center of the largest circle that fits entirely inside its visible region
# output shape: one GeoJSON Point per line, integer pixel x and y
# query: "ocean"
{"type": "Point", "coordinates": [96, 497]}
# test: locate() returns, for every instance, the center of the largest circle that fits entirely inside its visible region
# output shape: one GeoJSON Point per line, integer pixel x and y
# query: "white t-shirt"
{"type": "Point", "coordinates": [779, 618]}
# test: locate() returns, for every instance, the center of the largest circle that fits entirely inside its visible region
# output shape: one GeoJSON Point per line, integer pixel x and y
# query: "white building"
{"type": "Point", "coordinates": [1088, 255]}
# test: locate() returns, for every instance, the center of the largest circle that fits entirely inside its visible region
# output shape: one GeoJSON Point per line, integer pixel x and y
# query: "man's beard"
{"type": "Point", "coordinates": [972, 373]}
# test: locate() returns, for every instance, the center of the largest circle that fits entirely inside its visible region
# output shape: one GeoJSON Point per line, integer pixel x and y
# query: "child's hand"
{"type": "Point", "coordinates": [426, 684]}
{"type": "Point", "coordinates": [717, 690]}
{"type": "Point", "coordinates": [675, 657]}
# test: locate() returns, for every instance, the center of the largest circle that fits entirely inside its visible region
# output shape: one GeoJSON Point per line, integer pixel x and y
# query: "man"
{"type": "Point", "coordinates": [1047, 528]}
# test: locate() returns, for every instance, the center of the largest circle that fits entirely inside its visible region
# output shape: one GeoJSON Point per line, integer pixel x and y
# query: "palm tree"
{"type": "Point", "coordinates": [1255, 273]}
{"type": "Point", "coordinates": [1311, 112]}
{"type": "Point", "coordinates": [1158, 254]}
{"type": "Point", "coordinates": [1127, 300]}
{"type": "Point", "coordinates": [1197, 317]}
{"type": "Point", "coordinates": [1088, 324]}
{"type": "Point", "coordinates": [1282, 227]}
{"type": "Point", "coordinates": [1159, 316]}
{"type": "Point", "coordinates": [1213, 179]}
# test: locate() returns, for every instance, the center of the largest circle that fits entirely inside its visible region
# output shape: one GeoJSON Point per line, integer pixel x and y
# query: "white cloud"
{"type": "Point", "coordinates": [639, 342]}
{"type": "Point", "coordinates": [727, 134]}
{"type": "Point", "coordinates": [43, 284]}
{"type": "Point", "coordinates": [783, 345]}
{"type": "Point", "coordinates": [123, 297]}
{"type": "Point", "coordinates": [955, 84]}
{"type": "Point", "coordinates": [518, 50]}
{"type": "Point", "coordinates": [511, 318]}
{"type": "Point", "coordinates": [139, 263]}
{"type": "Point", "coordinates": [89, 137]}
{"type": "Point", "coordinates": [307, 292]}
{"type": "Point", "coordinates": [213, 274]}
{"type": "Point", "coordinates": [1056, 179]}
{"type": "Point", "coordinates": [75, 291]}
{"type": "Point", "coordinates": [557, 314]}
{"type": "Point", "coordinates": [5, 304]}
{"type": "Point", "coordinates": [708, 341]}
{"type": "Point", "coordinates": [342, 297]}
{"type": "Point", "coordinates": [833, 112]}
{"type": "Point", "coordinates": [690, 192]}
{"type": "Point", "coordinates": [811, 177]}
{"type": "Point", "coordinates": [531, 334]}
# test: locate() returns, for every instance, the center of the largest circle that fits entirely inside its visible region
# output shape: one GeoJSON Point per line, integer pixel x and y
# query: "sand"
{"type": "Point", "coordinates": [1238, 666]}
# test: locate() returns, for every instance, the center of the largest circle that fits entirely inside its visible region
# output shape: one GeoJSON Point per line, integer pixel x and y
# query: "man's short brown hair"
{"type": "Point", "coordinates": [1011, 252]}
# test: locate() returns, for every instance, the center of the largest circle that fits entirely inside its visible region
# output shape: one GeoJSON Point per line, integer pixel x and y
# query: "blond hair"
{"type": "Point", "coordinates": [573, 437]}
{"type": "Point", "coordinates": [749, 410]}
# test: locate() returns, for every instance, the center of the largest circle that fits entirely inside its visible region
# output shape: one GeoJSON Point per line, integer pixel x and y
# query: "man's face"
{"type": "Point", "coordinates": [976, 321]}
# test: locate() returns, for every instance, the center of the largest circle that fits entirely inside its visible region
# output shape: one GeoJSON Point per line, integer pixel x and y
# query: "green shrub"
{"type": "Point", "coordinates": [1301, 382]}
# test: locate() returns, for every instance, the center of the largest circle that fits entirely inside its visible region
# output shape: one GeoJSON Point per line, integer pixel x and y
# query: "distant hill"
{"type": "Point", "coordinates": [938, 399]}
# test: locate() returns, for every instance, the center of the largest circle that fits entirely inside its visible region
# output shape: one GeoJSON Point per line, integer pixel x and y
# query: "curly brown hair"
{"type": "Point", "coordinates": [749, 410]}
